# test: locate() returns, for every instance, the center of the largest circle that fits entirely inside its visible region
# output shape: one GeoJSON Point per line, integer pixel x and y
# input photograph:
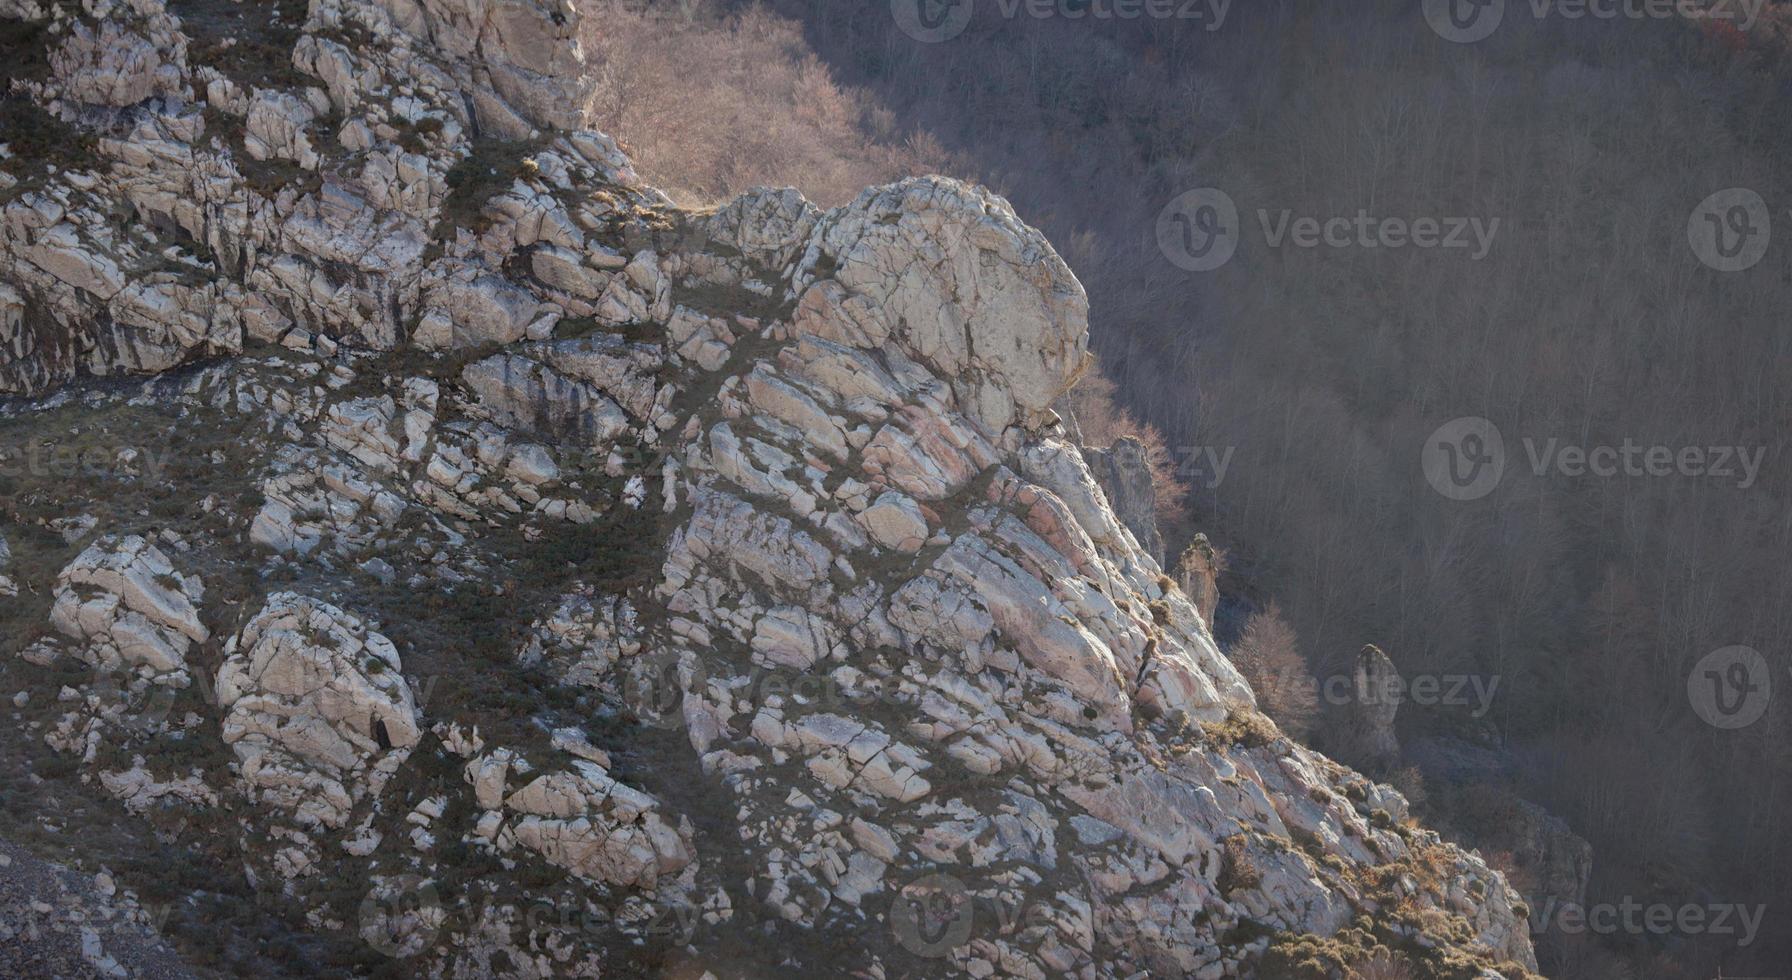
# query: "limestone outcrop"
{"type": "Point", "coordinates": [1198, 573]}
{"type": "Point", "coordinates": [1367, 725]}
{"type": "Point", "coordinates": [315, 709]}
{"type": "Point", "coordinates": [126, 607]}
{"type": "Point", "coordinates": [582, 820]}
{"type": "Point", "coordinates": [727, 565]}
{"type": "Point", "coordinates": [1124, 473]}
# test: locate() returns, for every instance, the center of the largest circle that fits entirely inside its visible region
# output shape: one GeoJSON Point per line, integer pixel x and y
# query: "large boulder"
{"type": "Point", "coordinates": [946, 272]}
{"type": "Point", "coordinates": [315, 709]}
{"type": "Point", "coordinates": [882, 515]}
{"type": "Point", "coordinates": [1549, 859]}
{"type": "Point", "coordinates": [127, 607]}
{"type": "Point", "coordinates": [115, 65]}
{"type": "Point", "coordinates": [1198, 573]}
{"type": "Point", "coordinates": [583, 820]}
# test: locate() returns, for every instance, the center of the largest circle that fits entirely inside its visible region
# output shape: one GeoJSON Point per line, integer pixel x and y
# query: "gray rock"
{"type": "Point", "coordinates": [895, 625]}
{"type": "Point", "coordinates": [315, 709]}
{"type": "Point", "coordinates": [1125, 477]}
{"type": "Point", "coordinates": [1367, 721]}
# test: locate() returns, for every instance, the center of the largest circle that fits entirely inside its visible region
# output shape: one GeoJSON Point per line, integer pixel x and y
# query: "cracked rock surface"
{"type": "Point", "coordinates": [497, 534]}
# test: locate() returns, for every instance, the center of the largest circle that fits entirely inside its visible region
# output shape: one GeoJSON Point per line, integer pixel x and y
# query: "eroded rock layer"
{"type": "Point", "coordinates": [817, 619]}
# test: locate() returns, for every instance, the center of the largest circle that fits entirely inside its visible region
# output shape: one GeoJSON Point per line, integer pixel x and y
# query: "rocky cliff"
{"type": "Point", "coordinates": [507, 572]}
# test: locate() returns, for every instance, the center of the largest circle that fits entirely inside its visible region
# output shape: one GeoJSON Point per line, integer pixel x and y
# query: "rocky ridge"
{"type": "Point", "coordinates": [726, 569]}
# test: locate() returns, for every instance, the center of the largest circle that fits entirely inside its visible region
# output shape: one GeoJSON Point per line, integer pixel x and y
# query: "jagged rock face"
{"type": "Point", "coordinates": [521, 62]}
{"type": "Point", "coordinates": [904, 643]}
{"type": "Point", "coordinates": [131, 619]}
{"type": "Point", "coordinates": [117, 66]}
{"type": "Point", "coordinates": [1558, 861]}
{"type": "Point", "coordinates": [1551, 864]}
{"type": "Point", "coordinates": [1198, 573]}
{"type": "Point", "coordinates": [315, 708]}
{"type": "Point", "coordinates": [126, 606]}
{"type": "Point", "coordinates": [254, 255]}
{"type": "Point", "coordinates": [584, 821]}
{"type": "Point", "coordinates": [584, 637]}
{"type": "Point", "coordinates": [969, 291]}
{"type": "Point", "coordinates": [1124, 474]}
{"type": "Point", "coordinates": [1368, 725]}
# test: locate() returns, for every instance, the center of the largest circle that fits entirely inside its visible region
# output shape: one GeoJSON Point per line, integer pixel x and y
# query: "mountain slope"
{"type": "Point", "coordinates": [517, 574]}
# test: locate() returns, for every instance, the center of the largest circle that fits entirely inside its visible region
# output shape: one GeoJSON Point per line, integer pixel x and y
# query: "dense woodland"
{"type": "Point", "coordinates": [1322, 371]}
